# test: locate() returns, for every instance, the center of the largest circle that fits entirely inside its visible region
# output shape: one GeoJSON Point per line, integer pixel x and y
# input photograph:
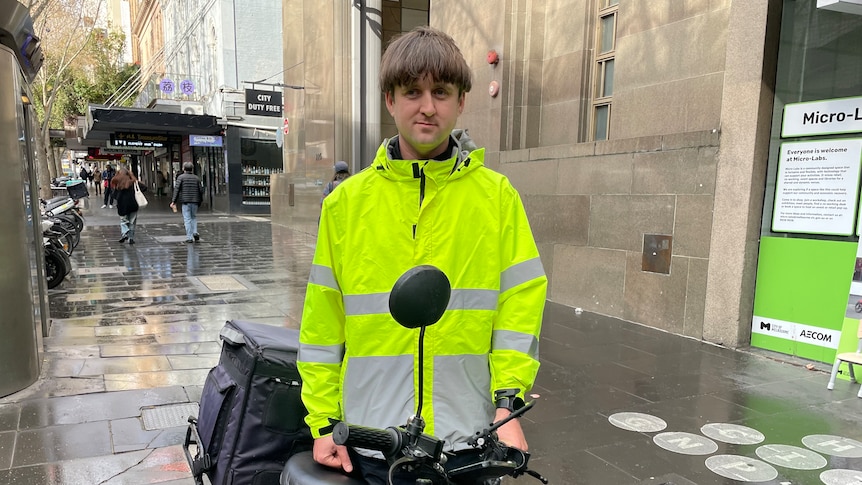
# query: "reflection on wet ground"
{"type": "Point", "coordinates": [136, 327]}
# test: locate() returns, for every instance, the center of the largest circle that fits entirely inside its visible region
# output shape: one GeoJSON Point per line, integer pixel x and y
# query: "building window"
{"type": "Point", "coordinates": [603, 85]}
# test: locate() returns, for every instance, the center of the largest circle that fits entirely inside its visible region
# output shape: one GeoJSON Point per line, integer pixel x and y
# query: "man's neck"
{"type": "Point", "coordinates": [404, 151]}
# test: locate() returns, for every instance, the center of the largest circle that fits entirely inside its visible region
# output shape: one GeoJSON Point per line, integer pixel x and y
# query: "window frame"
{"type": "Point", "coordinates": [599, 93]}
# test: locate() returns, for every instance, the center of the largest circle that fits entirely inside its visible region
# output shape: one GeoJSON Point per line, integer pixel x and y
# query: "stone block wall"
{"type": "Point", "coordinates": [590, 205]}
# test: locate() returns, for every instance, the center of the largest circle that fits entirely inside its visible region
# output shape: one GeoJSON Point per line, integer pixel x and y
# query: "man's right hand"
{"type": "Point", "coordinates": [326, 452]}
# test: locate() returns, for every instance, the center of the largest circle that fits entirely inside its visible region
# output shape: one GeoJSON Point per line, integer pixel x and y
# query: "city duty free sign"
{"type": "Point", "coordinates": [263, 103]}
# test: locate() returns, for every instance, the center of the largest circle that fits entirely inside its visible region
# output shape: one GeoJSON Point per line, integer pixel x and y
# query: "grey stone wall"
{"type": "Point", "coordinates": [589, 206]}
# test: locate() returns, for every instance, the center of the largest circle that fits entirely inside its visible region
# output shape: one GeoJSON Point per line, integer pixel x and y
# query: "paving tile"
{"type": "Point", "coordinates": [57, 443]}
{"type": "Point", "coordinates": [10, 415]}
{"type": "Point", "coordinates": [81, 471]}
{"type": "Point", "coordinates": [149, 380]}
{"type": "Point", "coordinates": [41, 413]}
{"type": "Point", "coordinates": [149, 329]}
{"type": "Point", "coordinates": [186, 337]}
{"type": "Point", "coordinates": [123, 365]}
{"type": "Point", "coordinates": [166, 349]}
{"type": "Point", "coordinates": [129, 435]}
{"type": "Point", "coordinates": [206, 361]}
{"type": "Point", "coordinates": [63, 367]}
{"type": "Point", "coordinates": [163, 465]}
{"type": "Point", "coordinates": [7, 447]}
{"type": "Point", "coordinates": [60, 386]}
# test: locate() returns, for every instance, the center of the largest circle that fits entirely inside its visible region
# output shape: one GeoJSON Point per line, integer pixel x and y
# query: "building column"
{"type": "Point", "coordinates": [746, 120]}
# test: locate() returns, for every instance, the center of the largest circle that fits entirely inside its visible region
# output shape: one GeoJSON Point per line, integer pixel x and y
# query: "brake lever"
{"type": "Point", "coordinates": [537, 476]}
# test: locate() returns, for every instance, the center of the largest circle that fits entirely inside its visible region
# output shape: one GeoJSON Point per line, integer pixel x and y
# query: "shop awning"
{"type": "Point", "coordinates": [103, 121]}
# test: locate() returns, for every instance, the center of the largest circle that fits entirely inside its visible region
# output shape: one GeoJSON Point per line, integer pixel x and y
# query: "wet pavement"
{"type": "Point", "coordinates": [135, 330]}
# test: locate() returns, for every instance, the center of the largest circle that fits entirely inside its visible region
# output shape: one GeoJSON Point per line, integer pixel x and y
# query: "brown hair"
{"type": "Point", "coordinates": [424, 51]}
{"type": "Point", "coordinates": [123, 179]}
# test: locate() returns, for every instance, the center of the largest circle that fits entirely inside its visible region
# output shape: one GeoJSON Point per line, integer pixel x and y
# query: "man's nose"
{"type": "Point", "coordinates": [427, 104]}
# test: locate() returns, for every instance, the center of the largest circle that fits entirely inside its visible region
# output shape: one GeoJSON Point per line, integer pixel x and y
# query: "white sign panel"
{"type": "Point", "coordinates": [843, 115]}
{"type": "Point", "coordinates": [817, 185]}
{"type": "Point", "coordinates": [821, 337]}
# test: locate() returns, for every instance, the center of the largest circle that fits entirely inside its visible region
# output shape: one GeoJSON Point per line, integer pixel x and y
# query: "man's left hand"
{"type": "Point", "coordinates": [510, 433]}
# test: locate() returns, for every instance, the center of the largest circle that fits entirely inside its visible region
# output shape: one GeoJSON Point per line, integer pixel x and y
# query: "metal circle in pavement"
{"type": "Point", "coordinates": [639, 422]}
{"type": "Point", "coordinates": [741, 468]}
{"type": "Point", "coordinates": [841, 477]}
{"type": "Point", "coordinates": [732, 433]}
{"type": "Point", "coordinates": [791, 457]}
{"type": "Point", "coordinates": [685, 443]}
{"type": "Point", "coordinates": [833, 445]}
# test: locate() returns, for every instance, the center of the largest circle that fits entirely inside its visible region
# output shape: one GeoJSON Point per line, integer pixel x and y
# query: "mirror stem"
{"type": "Point", "coordinates": [421, 370]}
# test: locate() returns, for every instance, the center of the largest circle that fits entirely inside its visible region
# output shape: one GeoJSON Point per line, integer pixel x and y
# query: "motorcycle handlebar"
{"type": "Point", "coordinates": [387, 441]}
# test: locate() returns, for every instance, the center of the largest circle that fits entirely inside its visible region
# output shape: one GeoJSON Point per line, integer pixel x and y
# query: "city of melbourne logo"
{"type": "Point", "coordinates": [775, 328]}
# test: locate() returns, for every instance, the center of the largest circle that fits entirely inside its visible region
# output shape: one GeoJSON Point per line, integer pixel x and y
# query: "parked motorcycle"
{"type": "Point", "coordinates": [418, 299]}
{"type": "Point", "coordinates": [57, 261]}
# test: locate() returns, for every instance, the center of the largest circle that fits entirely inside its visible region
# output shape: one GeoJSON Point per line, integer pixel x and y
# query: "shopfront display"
{"type": "Point", "coordinates": [804, 303]}
{"type": "Point", "coordinates": [253, 157]}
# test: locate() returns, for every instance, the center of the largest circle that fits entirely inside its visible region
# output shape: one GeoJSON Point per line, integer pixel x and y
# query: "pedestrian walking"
{"type": "Point", "coordinates": [97, 180]}
{"type": "Point", "coordinates": [123, 188]}
{"type": "Point", "coordinates": [107, 175]}
{"type": "Point", "coordinates": [341, 173]}
{"type": "Point", "coordinates": [160, 183]}
{"type": "Point", "coordinates": [188, 192]}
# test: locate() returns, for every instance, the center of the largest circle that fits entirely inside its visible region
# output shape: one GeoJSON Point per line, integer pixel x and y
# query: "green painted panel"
{"type": "Point", "coordinates": [773, 343]}
{"type": "Point", "coordinates": [804, 280]}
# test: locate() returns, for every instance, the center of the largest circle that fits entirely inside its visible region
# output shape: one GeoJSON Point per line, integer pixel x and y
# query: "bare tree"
{"type": "Point", "coordinates": [64, 27]}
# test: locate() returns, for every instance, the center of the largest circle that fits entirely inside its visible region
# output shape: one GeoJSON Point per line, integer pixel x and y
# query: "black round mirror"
{"type": "Point", "coordinates": [419, 297]}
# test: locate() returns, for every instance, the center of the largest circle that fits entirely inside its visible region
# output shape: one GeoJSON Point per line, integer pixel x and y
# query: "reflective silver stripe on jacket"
{"type": "Point", "coordinates": [511, 340]}
{"type": "Point", "coordinates": [462, 398]}
{"type": "Point", "coordinates": [521, 273]}
{"type": "Point", "coordinates": [375, 303]}
{"type": "Point", "coordinates": [320, 354]}
{"type": "Point", "coordinates": [323, 276]}
{"type": "Point", "coordinates": [373, 401]}
{"type": "Point", "coordinates": [370, 304]}
{"type": "Point", "coordinates": [473, 300]}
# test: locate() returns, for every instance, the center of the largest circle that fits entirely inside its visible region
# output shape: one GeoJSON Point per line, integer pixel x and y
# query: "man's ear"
{"type": "Point", "coordinates": [461, 100]}
{"type": "Point", "coordinates": [390, 102]}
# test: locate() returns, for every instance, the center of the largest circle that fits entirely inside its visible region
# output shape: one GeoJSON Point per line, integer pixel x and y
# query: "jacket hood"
{"type": "Point", "coordinates": [465, 157]}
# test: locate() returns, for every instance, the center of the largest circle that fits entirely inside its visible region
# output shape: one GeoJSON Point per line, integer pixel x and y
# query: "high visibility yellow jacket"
{"type": "Point", "coordinates": [356, 362]}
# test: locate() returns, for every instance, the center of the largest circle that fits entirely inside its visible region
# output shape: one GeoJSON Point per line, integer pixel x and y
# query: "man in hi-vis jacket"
{"type": "Point", "coordinates": [427, 198]}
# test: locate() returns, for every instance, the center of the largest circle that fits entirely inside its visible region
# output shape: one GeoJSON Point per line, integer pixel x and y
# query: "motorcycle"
{"type": "Point", "coordinates": [859, 306]}
{"type": "Point", "coordinates": [407, 448]}
{"type": "Point", "coordinates": [57, 261]}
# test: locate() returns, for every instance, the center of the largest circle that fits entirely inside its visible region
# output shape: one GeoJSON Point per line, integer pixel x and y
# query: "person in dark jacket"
{"type": "Point", "coordinates": [123, 188]}
{"type": "Point", "coordinates": [189, 192]}
{"type": "Point", "coordinates": [107, 175]}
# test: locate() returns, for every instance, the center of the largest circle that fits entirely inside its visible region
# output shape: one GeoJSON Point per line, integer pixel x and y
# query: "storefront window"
{"type": "Point", "coordinates": [818, 59]}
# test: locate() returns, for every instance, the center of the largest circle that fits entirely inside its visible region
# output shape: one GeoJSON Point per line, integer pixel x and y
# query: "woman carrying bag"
{"type": "Point", "coordinates": [124, 186]}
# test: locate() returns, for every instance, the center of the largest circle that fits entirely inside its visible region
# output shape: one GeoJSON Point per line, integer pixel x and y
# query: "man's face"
{"type": "Point", "coordinates": [425, 113]}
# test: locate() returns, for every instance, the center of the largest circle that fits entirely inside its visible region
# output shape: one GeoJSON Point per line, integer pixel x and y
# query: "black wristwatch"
{"type": "Point", "coordinates": [508, 399]}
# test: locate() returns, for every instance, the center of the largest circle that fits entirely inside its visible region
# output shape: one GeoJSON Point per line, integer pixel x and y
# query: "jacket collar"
{"type": "Point", "coordinates": [464, 157]}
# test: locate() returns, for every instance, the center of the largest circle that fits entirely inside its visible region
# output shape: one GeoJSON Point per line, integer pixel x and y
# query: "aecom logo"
{"type": "Point", "coordinates": [812, 335]}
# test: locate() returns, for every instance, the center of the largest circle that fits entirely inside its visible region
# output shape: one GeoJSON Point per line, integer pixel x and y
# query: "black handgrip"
{"type": "Point", "coordinates": [388, 441]}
